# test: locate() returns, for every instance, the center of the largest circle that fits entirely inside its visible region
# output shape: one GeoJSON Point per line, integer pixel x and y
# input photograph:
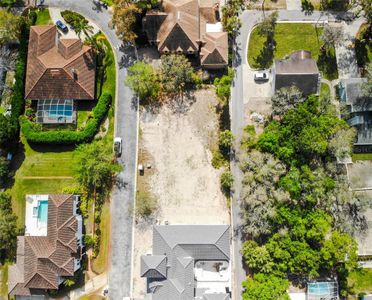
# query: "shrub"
{"type": "Point", "coordinates": [33, 133]}
{"type": "Point", "coordinates": [227, 181]}
{"type": "Point", "coordinates": [88, 240]}
{"type": "Point", "coordinates": [72, 18]}
{"type": "Point", "coordinates": [218, 160]}
{"type": "Point", "coordinates": [145, 204]}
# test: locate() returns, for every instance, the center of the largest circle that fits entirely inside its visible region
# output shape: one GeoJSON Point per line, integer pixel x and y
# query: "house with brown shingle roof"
{"type": "Point", "coordinates": [58, 70]}
{"type": "Point", "coordinates": [189, 27]}
{"type": "Point", "coordinates": [50, 250]}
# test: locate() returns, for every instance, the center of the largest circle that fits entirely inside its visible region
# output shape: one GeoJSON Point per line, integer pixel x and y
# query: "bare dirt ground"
{"type": "Point", "coordinates": [360, 174]}
{"type": "Point", "coordinates": [182, 179]}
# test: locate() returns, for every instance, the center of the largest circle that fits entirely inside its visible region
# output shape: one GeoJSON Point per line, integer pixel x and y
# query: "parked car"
{"type": "Point", "coordinates": [118, 146]}
{"type": "Point", "coordinates": [62, 26]}
{"type": "Point", "coordinates": [261, 76]}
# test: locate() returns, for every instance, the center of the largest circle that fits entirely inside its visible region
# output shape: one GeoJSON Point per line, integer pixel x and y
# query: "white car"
{"type": "Point", "coordinates": [261, 76]}
{"type": "Point", "coordinates": [118, 146]}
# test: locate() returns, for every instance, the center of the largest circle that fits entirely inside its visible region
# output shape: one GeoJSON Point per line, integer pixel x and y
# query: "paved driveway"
{"type": "Point", "coordinates": [126, 126]}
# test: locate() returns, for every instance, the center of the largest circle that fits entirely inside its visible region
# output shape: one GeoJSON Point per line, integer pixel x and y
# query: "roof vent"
{"type": "Point", "coordinates": [55, 72]}
{"type": "Point", "coordinates": [74, 73]}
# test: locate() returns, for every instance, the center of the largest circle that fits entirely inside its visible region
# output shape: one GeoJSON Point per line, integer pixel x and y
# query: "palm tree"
{"type": "Point", "coordinates": [82, 26]}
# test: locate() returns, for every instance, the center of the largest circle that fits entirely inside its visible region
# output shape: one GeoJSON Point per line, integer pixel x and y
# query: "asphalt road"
{"type": "Point", "coordinates": [239, 92]}
{"type": "Point", "coordinates": [126, 126]}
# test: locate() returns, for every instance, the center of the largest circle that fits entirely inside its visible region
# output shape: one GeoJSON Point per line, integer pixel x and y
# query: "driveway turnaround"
{"type": "Point", "coordinates": [126, 120]}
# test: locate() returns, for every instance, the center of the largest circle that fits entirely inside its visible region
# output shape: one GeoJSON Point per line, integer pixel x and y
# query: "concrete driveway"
{"type": "Point", "coordinates": [55, 15]}
{"type": "Point", "coordinates": [126, 126]}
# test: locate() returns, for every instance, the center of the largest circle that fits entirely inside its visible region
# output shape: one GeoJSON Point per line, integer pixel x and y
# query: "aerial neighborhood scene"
{"type": "Point", "coordinates": [186, 149]}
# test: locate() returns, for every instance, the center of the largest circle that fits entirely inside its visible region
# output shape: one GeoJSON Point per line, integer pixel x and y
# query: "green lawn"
{"type": "Point", "coordinates": [361, 281]}
{"type": "Point", "coordinates": [43, 17]}
{"type": "Point", "coordinates": [100, 263]}
{"type": "Point", "coordinates": [4, 281]}
{"type": "Point", "coordinates": [324, 90]}
{"type": "Point", "coordinates": [289, 38]}
{"type": "Point", "coordinates": [361, 156]}
{"type": "Point", "coordinates": [2, 110]}
{"type": "Point", "coordinates": [42, 163]}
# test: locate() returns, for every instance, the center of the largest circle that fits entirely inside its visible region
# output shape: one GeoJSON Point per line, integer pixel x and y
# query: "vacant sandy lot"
{"type": "Point", "coordinates": [181, 177]}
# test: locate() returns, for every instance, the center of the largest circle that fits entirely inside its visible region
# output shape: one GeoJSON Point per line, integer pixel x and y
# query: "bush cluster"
{"type": "Point", "coordinates": [73, 18]}
{"type": "Point", "coordinates": [34, 134]}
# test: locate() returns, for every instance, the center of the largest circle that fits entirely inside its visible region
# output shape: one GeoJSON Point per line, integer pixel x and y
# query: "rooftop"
{"type": "Point", "coordinates": [58, 68]}
{"type": "Point", "coordinates": [299, 62]}
{"type": "Point", "coordinates": [188, 262]}
{"type": "Point", "coordinates": [43, 257]}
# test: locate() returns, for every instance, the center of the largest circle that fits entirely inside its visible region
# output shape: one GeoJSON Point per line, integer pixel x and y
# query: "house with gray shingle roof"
{"type": "Point", "coordinates": [188, 262]}
{"type": "Point", "coordinates": [360, 111]}
{"type": "Point", "coordinates": [298, 70]}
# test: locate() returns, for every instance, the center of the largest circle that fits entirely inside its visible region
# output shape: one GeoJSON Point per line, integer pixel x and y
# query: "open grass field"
{"type": "Point", "coordinates": [289, 38]}
{"type": "Point", "coordinates": [361, 281]}
{"type": "Point", "coordinates": [43, 17]}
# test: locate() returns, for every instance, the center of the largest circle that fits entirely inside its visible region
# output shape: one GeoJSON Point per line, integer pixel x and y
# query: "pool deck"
{"type": "Point", "coordinates": [32, 223]}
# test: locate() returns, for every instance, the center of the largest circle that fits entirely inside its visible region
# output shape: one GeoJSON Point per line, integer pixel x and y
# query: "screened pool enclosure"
{"type": "Point", "coordinates": [56, 111]}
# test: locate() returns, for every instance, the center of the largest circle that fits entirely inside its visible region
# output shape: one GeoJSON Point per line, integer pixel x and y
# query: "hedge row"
{"type": "Point", "coordinates": [34, 133]}
{"type": "Point", "coordinates": [17, 98]}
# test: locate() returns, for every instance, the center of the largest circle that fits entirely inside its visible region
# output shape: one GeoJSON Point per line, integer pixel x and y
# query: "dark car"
{"type": "Point", "coordinates": [62, 26]}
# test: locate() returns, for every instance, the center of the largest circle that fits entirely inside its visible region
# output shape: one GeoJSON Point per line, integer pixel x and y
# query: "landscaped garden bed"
{"type": "Point", "coordinates": [289, 38]}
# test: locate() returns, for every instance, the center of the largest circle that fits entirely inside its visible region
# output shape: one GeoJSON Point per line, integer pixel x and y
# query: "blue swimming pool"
{"type": "Point", "coordinates": [42, 212]}
{"type": "Point", "coordinates": [59, 110]}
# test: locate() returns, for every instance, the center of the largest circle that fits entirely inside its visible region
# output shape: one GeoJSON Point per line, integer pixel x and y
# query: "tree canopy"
{"type": "Point", "coordinates": [8, 228]}
{"type": "Point", "coordinates": [93, 166]}
{"type": "Point", "coordinates": [265, 287]}
{"type": "Point", "coordinates": [303, 207]}
{"type": "Point", "coordinates": [143, 80]}
{"type": "Point", "coordinates": [176, 72]}
{"type": "Point", "coordinates": [124, 19]}
{"type": "Point", "coordinates": [302, 134]}
{"type": "Point", "coordinates": [285, 99]}
{"type": "Point", "coordinates": [10, 26]}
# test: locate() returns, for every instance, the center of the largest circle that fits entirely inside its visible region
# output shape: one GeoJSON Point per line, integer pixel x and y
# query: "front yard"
{"type": "Point", "coordinates": [289, 38]}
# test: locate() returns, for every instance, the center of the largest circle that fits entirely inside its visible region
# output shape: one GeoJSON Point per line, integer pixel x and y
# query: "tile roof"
{"type": "Point", "coordinates": [42, 259]}
{"type": "Point", "coordinates": [180, 27]}
{"type": "Point", "coordinates": [182, 245]}
{"type": "Point", "coordinates": [58, 68]}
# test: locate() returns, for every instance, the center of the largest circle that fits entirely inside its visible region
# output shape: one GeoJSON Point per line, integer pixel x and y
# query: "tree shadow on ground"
{"type": "Point", "coordinates": [265, 59]}
{"type": "Point", "coordinates": [327, 64]}
{"type": "Point", "coordinates": [307, 7]}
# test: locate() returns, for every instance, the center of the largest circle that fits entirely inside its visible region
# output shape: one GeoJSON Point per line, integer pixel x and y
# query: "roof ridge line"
{"type": "Point", "coordinates": [227, 256]}
{"type": "Point", "coordinates": [73, 77]}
